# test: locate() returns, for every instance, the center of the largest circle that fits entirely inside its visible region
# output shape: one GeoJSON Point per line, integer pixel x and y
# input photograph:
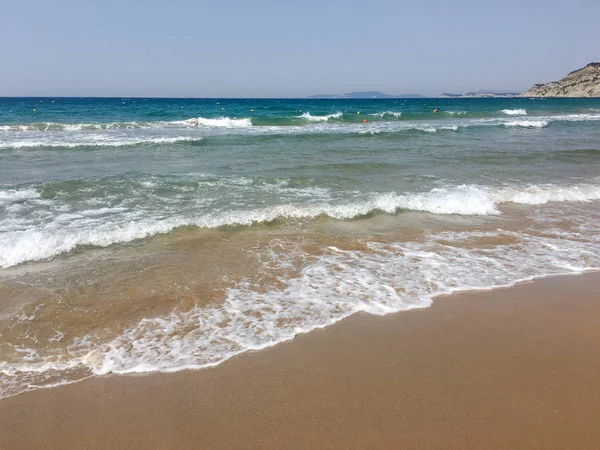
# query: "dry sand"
{"type": "Point", "coordinates": [515, 368]}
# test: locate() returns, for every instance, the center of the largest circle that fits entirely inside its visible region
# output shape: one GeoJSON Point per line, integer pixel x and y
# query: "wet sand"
{"type": "Point", "coordinates": [515, 368]}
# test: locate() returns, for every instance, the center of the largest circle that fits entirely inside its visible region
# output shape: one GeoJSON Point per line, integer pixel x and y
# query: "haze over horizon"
{"type": "Point", "coordinates": [269, 49]}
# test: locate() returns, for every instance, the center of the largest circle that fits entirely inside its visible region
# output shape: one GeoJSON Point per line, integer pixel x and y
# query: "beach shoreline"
{"type": "Point", "coordinates": [509, 368]}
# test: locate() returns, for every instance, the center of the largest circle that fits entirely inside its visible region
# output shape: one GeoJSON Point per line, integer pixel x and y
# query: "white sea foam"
{"type": "Point", "coordinates": [60, 236]}
{"type": "Point", "coordinates": [515, 112]}
{"type": "Point", "coordinates": [193, 130]}
{"type": "Point", "coordinates": [426, 128]}
{"type": "Point", "coordinates": [328, 287]}
{"type": "Point", "coordinates": [15, 195]}
{"type": "Point", "coordinates": [309, 117]}
{"type": "Point", "coordinates": [395, 114]}
{"type": "Point", "coordinates": [54, 126]}
{"type": "Point", "coordinates": [526, 123]}
{"type": "Point", "coordinates": [221, 122]}
{"type": "Point", "coordinates": [340, 283]}
{"type": "Point", "coordinates": [539, 195]}
{"type": "Point", "coordinates": [60, 233]}
{"type": "Point", "coordinates": [580, 117]}
{"type": "Point", "coordinates": [99, 141]}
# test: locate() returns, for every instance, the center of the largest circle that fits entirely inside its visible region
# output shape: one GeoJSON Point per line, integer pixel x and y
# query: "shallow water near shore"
{"type": "Point", "coordinates": [143, 235]}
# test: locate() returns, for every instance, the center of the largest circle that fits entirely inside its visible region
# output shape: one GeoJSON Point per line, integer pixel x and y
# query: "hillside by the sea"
{"type": "Point", "coordinates": [584, 82]}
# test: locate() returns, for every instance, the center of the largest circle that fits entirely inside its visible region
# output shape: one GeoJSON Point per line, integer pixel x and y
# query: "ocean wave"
{"type": "Point", "coordinates": [243, 128]}
{"type": "Point", "coordinates": [17, 195]}
{"type": "Point", "coordinates": [433, 127]}
{"type": "Point", "coordinates": [515, 112]}
{"type": "Point", "coordinates": [47, 241]}
{"type": "Point", "coordinates": [298, 297]}
{"type": "Point", "coordinates": [526, 123]}
{"type": "Point", "coordinates": [101, 142]}
{"type": "Point", "coordinates": [310, 118]}
{"type": "Point", "coordinates": [538, 122]}
{"type": "Point", "coordinates": [54, 126]}
{"type": "Point", "coordinates": [579, 117]}
{"type": "Point", "coordinates": [40, 134]}
{"type": "Point", "coordinates": [220, 122]}
{"type": "Point", "coordinates": [385, 279]}
{"type": "Point", "coordinates": [51, 240]}
{"type": "Point", "coordinates": [539, 195]}
{"type": "Point", "coordinates": [394, 114]}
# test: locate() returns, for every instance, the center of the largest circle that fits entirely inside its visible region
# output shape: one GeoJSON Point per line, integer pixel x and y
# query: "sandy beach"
{"type": "Point", "coordinates": [513, 368]}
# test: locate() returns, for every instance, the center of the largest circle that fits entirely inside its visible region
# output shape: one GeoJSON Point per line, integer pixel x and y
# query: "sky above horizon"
{"type": "Point", "coordinates": [185, 48]}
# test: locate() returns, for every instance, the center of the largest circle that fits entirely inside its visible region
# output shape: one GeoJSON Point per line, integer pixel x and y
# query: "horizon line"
{"type": "Point", "coordinates": [311, 97]}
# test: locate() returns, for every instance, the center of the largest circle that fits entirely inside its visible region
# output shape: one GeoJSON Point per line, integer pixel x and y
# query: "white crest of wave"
{"type": "Point", "coordinates": [309, 117]}
{"type": "Point", "coordinates": [539, 195]}
{"type": "Point", "coordinates": [14, 128]}
{"type": "Point", "coordinates": [16, 195]}
{"type": "Point", "coordinates": [395, 114]}
{"type": "Point", "coordinates": [426, 128]}
{"type": "Point", "coordinates": [90, 142]}
{"type": "Point", "coordinates": [221, 122]}
{"type": "Point", "coordinates": [47, 241]}
{"type": "Point", "coordinates": [515, 112]}
{"type": "Point", "coordinates": [526, 123]}
{"type": "Point", "coordinates": [55, 126]}
{"type": "Point", "coordinates": [580, 117]}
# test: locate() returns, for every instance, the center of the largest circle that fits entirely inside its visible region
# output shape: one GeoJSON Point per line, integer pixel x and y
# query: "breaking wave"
{"type": "Point", "coordinates": [310, 118]}
{"type": "Point", "coordinates": [515, 112]}
{"type": "Point", "coordinates": [394, 114]}
{"type": "Point", "coordinates": [221, 122]}
{"type": "Point", "coordinates": [51, 239]}
{"type": "Point", "coordinates": [378, 279]}
{"type": "Point", "coordinates": [99, 142]}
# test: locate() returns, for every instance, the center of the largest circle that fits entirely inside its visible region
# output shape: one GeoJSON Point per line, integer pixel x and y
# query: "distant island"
{"type": "Point", "coordinates": [584, 82]}
{"type": "Point", "coordinates": [481, 94]}
{"type": "Point", "coordinates": [366, 94]}
{"type": "Point", "coordinates": [377, 94]}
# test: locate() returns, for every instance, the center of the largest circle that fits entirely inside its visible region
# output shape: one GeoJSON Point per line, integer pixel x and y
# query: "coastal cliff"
{"type": "Point", "coordinates": [584, 82]}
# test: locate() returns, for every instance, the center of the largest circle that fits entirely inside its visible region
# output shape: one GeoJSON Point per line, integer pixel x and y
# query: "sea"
{"type": "Point", "coordinates": [155, 235]}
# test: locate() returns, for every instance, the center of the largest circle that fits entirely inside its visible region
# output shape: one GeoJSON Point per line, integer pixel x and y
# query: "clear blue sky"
{"type": "Point", "coordinates": [185, 48]}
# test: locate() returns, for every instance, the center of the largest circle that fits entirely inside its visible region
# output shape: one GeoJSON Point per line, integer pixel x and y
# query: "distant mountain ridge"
{"type": "Point", "coordinates": [584, 82]}
{"type": "Point", "coordinates": [481, 94]}
{"type": "Point", "coordinates": [366, 94]}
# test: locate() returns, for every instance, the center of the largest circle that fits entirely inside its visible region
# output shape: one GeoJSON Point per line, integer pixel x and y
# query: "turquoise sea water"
{"type": "Point", "coordinates": [160, 234]}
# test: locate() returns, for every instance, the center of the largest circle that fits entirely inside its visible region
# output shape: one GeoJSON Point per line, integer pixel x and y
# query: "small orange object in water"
{"type": "Point", "coordinates": [365, 121]}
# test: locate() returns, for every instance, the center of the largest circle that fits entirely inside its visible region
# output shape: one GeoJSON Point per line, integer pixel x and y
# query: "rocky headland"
{"type": "Point", "coordinates": [584, 82]}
